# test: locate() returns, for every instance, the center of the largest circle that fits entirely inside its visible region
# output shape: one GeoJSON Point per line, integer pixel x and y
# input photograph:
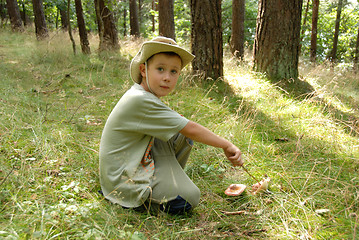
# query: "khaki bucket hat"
{"type": "Point", "coordinates": [157, 45]}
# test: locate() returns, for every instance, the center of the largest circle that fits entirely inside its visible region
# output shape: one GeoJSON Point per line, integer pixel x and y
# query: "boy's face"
{"type": "Point", "coordinates": [163, 71]}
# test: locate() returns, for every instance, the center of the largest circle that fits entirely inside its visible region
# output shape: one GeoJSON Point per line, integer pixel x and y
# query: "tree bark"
{"type": "Point", "coordinates": [134, 24]}
{"type": "Point", "coordinates": [303, 26]}
{"type": "Point", "coordinates": [64, 16]}
{"type": "Point", "coordinates": [276, 45]}
{"type": "Point", "coordinates": [40, 22]}
{"type": "Point", "coordinates": [154, 8]}
{"type": "Point", "coordinates": [313, 39]}
{"type": "Point", "coordinates": [85, 45]}
{"type": "Point", "coordinates": [237, 38]}
{"type": "Point", "coordinates": [140, 14]}
{"type": "Point", "coordinates": [333, 55]}
{"type": "Point", "coordinates": [166, 22]}
{"type": "Point", "coordinates": [14, 15]}
{"type": "Point", "coordinates": [69, 27]}
{"type": "Point", "coordinates": [356, 67]}
{"type": "Point", "coordinates": [124, 22]}
{"type": "Point", "coordinates": [206, 38]}
{"type": "Point", "coordinates": [107, 27]}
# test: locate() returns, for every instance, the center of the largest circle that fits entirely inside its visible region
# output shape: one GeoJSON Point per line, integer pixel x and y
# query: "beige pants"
{"type": "Point", "coordinates": [170, 180]}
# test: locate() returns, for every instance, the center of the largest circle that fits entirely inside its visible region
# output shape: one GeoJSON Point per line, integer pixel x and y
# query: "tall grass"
{"type": "Point", "coordinates": [54, 106]}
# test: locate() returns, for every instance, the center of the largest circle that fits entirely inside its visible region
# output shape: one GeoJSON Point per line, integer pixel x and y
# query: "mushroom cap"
{"type": "Point", "coordinates": [261, 186]}
{"type": "Point", "coordinates": [235, 189]}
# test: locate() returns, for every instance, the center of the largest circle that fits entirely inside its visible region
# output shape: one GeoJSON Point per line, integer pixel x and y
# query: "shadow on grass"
{"type": "Point", "coordinates": [302, 90]}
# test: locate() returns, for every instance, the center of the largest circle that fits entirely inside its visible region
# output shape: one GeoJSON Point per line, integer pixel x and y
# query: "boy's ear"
{"type": "Point", "coordinates": [143, 70]}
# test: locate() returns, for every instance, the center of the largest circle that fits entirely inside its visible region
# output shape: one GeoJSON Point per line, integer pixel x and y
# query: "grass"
{"type": "Point", "coordinates": [54, 106]}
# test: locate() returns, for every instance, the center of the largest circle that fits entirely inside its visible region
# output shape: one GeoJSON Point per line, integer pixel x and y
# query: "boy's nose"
{"type": "Point", "coordinates": [166, 77]}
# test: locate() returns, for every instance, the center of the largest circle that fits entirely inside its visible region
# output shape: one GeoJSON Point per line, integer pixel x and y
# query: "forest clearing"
{"type": "Point", "coordinates": [53, 108]}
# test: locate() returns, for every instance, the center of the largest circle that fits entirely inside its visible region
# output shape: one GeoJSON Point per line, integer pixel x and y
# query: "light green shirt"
{"type": "Point", "coordinates": [137, 117]}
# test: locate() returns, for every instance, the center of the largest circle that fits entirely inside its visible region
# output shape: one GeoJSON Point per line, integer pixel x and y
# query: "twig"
{"type": "Point", "coordinates": [75, 112]}
{"type": "Point", "coordinates": [245, 169]}
{"type": "Point", "coordinates": [13, 167]}
{"type": "Point", "coordinates": [235, 212]}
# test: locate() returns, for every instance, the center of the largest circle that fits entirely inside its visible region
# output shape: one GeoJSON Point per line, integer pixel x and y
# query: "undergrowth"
{"type": "Point", "coordinates": [54, 106]}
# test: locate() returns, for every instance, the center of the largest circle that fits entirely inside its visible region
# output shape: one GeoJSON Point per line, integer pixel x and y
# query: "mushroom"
{"type": "Point", "coordinates": [235, 189]}
{"type": "Point", "coordinates": [261, 186]}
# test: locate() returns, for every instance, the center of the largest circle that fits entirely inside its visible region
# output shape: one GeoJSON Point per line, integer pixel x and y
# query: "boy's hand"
{"type": "Point", "coordinates": [234, 155]}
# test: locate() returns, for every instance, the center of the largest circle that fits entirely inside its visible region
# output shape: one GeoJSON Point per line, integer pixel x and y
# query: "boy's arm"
{"type": "Point", "coordinates": [201, 134]}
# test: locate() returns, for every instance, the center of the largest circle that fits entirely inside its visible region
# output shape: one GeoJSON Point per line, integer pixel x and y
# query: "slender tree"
{"type": "Point", "coordinates": [14, 15]}
{"type": "Point", "coordinates": [140, 13]}
{"type": "Point", "coordinates": [206, 38]}
{"type": "Point", "coordinates": [276, 45]}
{"type": "Point", "coordinates": [124, 22]}
{"type": "Point", "coordinates": [154, 8]}
{"type": "Point", "coordinates": [356, 67]}
{"type": "Point", "coordinates": [107, 27]}
{"type": "Point", "coordinates": [62, 6]}
{"type": "Point", "coordinates": [40, 22]}
{"type": "Point", "coordinates": [333, 55]}
{"type": "Point", "coordinates": [69, 29]}
{"type": "Point", "coordinates": [24, 17]}
{"type": "Point", "coordinates": [85, 46]}
{"type": "Point", "coordinates": [237, 38]}
{"type": "Point", "coordinates": [134, 24]}
{"type": "Point", "coordinates": [304, 25]}
{"type": "Point", "coordinates": [166, 22]}
{"type": "Point", "coordinates": [313, 39]}
{"type": "Point", "coordinates": [3, 14]}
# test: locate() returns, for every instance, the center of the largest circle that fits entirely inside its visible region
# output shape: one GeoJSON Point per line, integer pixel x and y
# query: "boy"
{"type": "Point", "coordinates": [145, 145]}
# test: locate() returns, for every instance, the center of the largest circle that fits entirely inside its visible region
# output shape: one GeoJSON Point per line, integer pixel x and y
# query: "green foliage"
{"type": "Point", "coordinates": [326, 23]}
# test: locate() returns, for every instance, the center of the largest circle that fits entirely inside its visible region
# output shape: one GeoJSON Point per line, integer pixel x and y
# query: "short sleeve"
{"type": "Point", "coordinates": [146, 114]}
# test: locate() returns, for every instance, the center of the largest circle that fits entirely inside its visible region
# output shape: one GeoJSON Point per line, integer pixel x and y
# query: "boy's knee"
{"type": "Point", "coordinates": [177, 206]}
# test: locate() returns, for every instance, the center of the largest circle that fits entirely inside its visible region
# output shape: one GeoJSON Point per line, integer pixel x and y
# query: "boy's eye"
{"type": "Point", "coordinates": [174, 71]}
{"type": "Point", "coordinates": [160, 69]}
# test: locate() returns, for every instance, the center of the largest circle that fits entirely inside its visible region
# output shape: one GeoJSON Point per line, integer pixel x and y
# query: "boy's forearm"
{"type": "Point", "coordinates": [201, 134]}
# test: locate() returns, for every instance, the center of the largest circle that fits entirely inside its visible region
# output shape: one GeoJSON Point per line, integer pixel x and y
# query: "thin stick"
{"type": "Point", "coordinates": [234, 213]}
{"type": "Point", "coordinates": [245, 169]}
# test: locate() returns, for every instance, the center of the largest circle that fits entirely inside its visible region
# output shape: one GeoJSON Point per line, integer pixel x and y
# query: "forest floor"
{"type": "Point", "coordinates": [53, 109]}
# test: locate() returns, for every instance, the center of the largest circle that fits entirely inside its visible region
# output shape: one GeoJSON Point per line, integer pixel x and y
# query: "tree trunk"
{"type": "Point", "coordinates": [124, 22]}
{"type": "Point", "coordinates": [3, 14]}
{"type": "Point", "coordinates": [154, 8]}
{"type": "Point", "coordinates": [134, 24]}
{"type": "Point", "coordinates": [85, 46]}
{"type": "Point", "coordinates": [69, 27]}
{"type": "Point", "coordinates": [166, 22]}
{"type": "Point", "coordinates": [333, 55]}
{"type": "Point", "coordinates": [14, 15]}
{"type": "Point", "coordinates": [40, 22]}
{"type": "Point", "coordinates": [206, 38]}
{"type": "Point", "coordinates": [356, 67]}
{"type": "Point", "coordinates": [64, 16]}
{"type": "Point", "coordinates": [140, 14]}
{"type": "Point", "coordinates": [313, 39]}
{"type": "Point", "coordinates": [107, 27]}
{"type": "Point", "coordinates": [237, 38]}
{"type": "Point", "coordinates": [24, 17]}
{"type": "Point", "coordinates": [276, 45]}
{"type": "Point", "coordinates": [303, 26]}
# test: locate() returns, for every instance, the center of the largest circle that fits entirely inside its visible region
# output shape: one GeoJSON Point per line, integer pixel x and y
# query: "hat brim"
{"type": "Point", "coordinates": [151, 48]}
